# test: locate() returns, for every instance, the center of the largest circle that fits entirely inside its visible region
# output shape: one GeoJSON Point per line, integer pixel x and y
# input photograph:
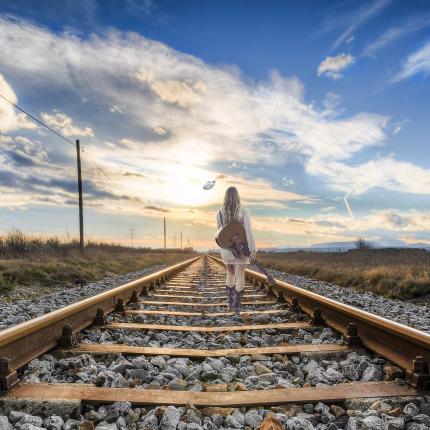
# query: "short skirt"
{"type": "Point", "coordinates": [229, 258]}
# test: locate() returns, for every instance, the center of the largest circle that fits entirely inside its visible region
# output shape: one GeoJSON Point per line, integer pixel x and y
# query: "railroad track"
{"type": "Point", "coordinates": [180, 313]}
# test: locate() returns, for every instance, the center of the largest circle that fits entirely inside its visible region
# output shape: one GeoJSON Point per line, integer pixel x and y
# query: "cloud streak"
{"type": "Point", "coordinates": [417, 63]}
{"type": "Point", "coordinates": [412, 25]}
{"type": "Point", "coordinates": [359, 17]}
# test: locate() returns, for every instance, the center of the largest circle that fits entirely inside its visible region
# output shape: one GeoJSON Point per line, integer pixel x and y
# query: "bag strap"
{"type": "Point", "coordinates": [221, 219]}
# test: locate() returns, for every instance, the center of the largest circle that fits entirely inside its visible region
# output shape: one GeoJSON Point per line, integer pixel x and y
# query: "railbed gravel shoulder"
{"type": "Point", "coordinates": [401, 311]}
{"type": "Point", "coordinates": [230, 373]}
{"type": "Point", "coordinates": [184, 339]}
{"type": "Point", "coordinates": [22, 310]}
{"type": "Point", "coordinates": [392, 414]}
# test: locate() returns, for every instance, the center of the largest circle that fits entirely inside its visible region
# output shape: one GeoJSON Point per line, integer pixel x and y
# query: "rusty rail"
{"type": "Point", "coordinates": [23, 342]}
{"type": "Point", "coordinates": [407, 347]}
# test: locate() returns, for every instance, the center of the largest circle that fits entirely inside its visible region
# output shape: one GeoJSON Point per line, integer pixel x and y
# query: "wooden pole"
{"type": "Point", "coordinates": [181, 242]}
{"type": "Point", "coordinates": [81, 208]}
{"type": "Point", "coordinates": [164, 235]}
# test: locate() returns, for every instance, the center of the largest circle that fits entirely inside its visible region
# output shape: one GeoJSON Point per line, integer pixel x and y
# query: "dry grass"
{"type": "Point", "coordinates": [395, 273]}
{"type": "Point", "coordinates": [34, 262]}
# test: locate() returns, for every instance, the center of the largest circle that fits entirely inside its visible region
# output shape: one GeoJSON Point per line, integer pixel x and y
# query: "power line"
{"type": "Point", "coordinates": [37, 120]}
{"type": "Point", "coordinates": [97, 166]}
{"type": "Point", "coordinates": [59, 135]}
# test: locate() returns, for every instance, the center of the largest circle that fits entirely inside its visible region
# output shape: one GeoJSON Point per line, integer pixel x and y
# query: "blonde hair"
{"type": "Point", "coordinates": [231, 204]}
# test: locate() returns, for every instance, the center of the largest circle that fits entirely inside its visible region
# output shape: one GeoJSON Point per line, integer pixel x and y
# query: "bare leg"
{"type": "Point", "coordinates": [229, 285]}
{"type": "Point", "coordinates": [239, 287]}
{"type": "Point", "coordinates": [240, 277]}
{"type": "Point", "coordinates": [230, 276]}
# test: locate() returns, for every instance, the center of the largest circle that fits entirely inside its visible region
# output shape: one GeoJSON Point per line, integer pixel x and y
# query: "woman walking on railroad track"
{"type": "Point", "coordinates": [235, 282]}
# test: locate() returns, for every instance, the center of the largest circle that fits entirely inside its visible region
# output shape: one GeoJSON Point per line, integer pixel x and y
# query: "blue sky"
{"type": "Point", "coordinates": [317, 111]}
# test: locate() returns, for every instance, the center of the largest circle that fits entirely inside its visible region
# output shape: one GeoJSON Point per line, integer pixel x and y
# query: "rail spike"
{"type": "Point", "coordinates": [295, 304]}
{"type": "Point", "coordinates": [134, 297]}
{"type": "Point", "coordinates": [120, 305]}
{"type": "Point", "coordinates": [8, 377]}
{"type": "Point", "coordinates": [317, 318]}
{"type": "Point", "coordinates": [351, 337]}
{"type": "Point", "coordinates": [68, 339]}
{"type": "Point", "coordinates": [100, 319]}
{"type": "Point", "coordinates": [419, 376]}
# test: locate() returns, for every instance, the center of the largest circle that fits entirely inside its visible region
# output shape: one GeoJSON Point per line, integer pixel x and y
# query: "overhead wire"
{"type": "Point", "coordinates": [59, 135]}
{"type": "Point", "coordinates": [37, 120]}
{"type": "Point", "coordinates": [84, 150]}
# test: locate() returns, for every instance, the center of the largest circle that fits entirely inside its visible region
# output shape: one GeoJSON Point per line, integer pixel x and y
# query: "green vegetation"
{"type": "Point", "coordinates": [394, 273]}
{"type": "Point", "coordinates": [34, 263]}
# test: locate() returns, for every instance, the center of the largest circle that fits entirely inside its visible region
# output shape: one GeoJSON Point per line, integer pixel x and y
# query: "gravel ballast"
{"type": "Point", "coordinates": [22, 310]}
{"type": "Point", "coordinates": [230, 373]}
{"type": "Point", "coordinates": [408, 414]}
{"type": "Point", "coordinates": [403, 312]}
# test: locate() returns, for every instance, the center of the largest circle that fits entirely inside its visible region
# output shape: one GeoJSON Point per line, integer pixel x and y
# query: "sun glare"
{"type": "Point", "coordinates": [184, 185]}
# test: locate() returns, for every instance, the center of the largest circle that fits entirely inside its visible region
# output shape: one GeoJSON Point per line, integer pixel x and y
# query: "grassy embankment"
{"type": "Point", "coordinates": [31, 262]}
{"type": "Point", "coordinates": [394, 273]}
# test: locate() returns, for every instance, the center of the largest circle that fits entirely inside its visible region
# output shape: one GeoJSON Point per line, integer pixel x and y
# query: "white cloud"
{"type": "Point", "coordinates": [328, 225]}
{"type": "Point", "coordinates": [160, 130]}
{"type": "Point", "coordinates": [213, 116]}
{"type": "Point", "coordinates": [412, 25]}
{"type": "Point", "coordinates": [182, 93]}
{"type": "Point", "coordinates": [287, 181]}
{"type": "Point", "coordinates": [64, 124]}
{"type": "Point", "coordinates": [417, 63]}
{"type": "Point", "coordinates": [9, 119]}
{"type": "Point", "coordinates": [384, 172]}
{"type": "Point", "coordinates": [116, 109]}
{"type": "Point", "coordinates": [332, 66]}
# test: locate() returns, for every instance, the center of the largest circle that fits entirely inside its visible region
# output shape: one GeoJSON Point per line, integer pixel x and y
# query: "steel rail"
{"type": "Point", "coordinates": [21, 343]}
{"type": "Point", "coordinates": [405, 346]}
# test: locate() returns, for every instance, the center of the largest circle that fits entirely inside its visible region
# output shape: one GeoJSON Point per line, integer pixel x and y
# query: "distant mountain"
{"type": "Point", "coordinates": [337, 245]}
{"type": "Point", "coordinates": [382, 242]}
{"type": "Point", "coordinates": [388, 242]}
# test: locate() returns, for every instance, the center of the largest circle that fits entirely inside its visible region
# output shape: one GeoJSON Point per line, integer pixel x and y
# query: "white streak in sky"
{"type": "Point", "coordinates": [345, 199]}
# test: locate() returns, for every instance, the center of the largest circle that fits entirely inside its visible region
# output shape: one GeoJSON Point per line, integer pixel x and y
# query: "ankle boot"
{"type": "Point", "coordinates": [237, 301]}
{"type": "Point", "coordinates": [230, 296]}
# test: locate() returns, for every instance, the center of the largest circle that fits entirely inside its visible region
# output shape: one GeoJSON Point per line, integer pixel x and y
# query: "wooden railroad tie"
{"type": "Point", "coordinates": [204, 329]}
{"type": "Point", "coordinates": [90, 393]}
{"type": "Point", "coordinates": [97, 348]}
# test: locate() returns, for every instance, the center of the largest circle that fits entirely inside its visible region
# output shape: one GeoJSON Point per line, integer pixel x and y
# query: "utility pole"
{"type": "Point", "coordinates": [164, 236]}
{"type": "Point", "coordinates": [81, 208]}
{"type": "Point", "coordinates": [131, 230]}
{"type": "Point", "coordinates": [174, 239]}
{"type": "Point", "coordinates": [181, 242]}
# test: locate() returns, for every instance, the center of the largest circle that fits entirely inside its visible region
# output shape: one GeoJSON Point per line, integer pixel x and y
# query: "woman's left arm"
{"type": "Point", "coordinates": [248, 230]}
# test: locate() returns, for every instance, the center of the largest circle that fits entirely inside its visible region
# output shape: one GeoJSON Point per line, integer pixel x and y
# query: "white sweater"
{"type": "Point", "coordinates": [243, 216]}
